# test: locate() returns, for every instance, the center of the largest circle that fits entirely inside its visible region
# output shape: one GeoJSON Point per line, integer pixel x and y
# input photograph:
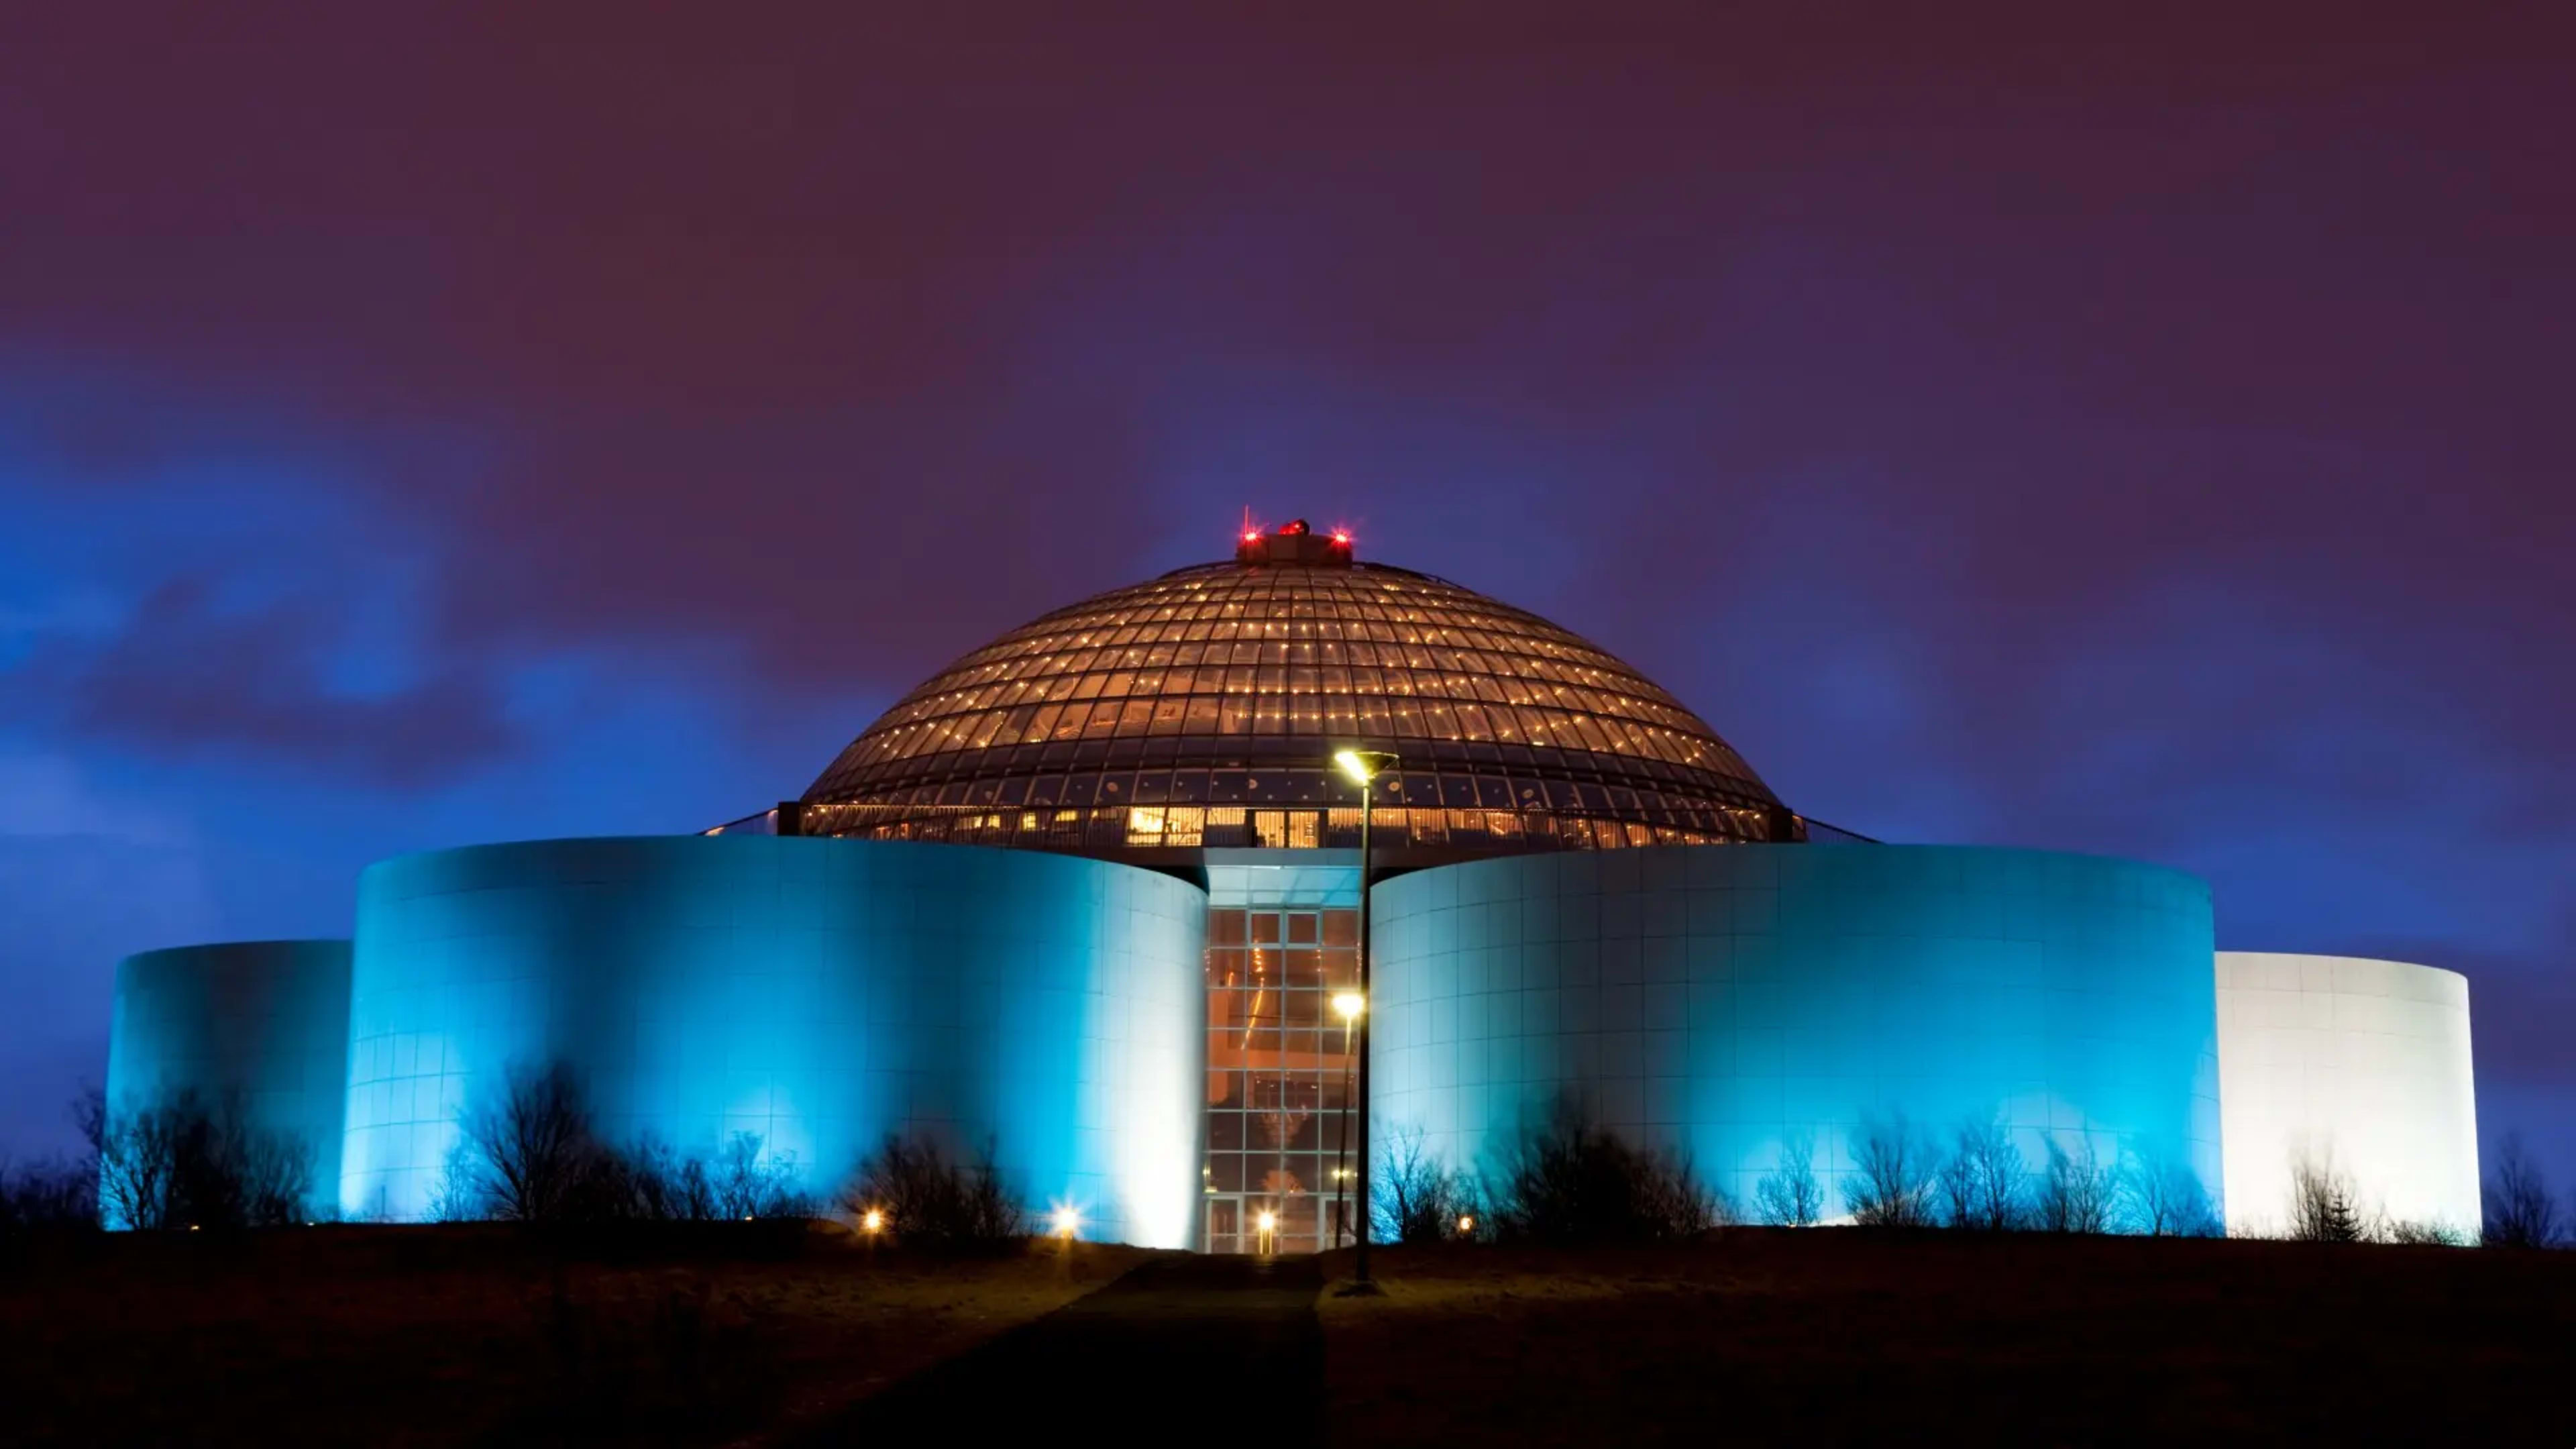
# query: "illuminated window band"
{"type": "Point", "coordinates": [1220, 826]}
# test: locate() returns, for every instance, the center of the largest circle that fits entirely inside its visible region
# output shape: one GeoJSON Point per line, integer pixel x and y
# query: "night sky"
{"type": "Point", "coordinates": [2150, 441]}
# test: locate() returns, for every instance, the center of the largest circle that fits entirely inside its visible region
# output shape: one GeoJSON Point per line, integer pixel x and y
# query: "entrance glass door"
{"type": "Point", "coordinates": [1279, 1075]}
{"type": "Point", "coordinates": [1224, 1225]}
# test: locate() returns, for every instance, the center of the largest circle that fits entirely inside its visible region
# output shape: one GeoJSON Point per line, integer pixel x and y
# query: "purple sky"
{"type": "Point", "coordinates": [2148, 441]}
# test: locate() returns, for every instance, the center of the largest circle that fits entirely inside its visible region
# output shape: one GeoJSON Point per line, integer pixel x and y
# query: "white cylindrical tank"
{"type": "Point", "coordinates": [2359, 1066]}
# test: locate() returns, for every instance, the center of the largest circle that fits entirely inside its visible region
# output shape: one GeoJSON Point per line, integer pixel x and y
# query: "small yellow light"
{"type": "Point", "coordinates": [1066, 1221]}
{"type": "Point", "coordinates": [1267, 1221]}
{"type": "Point", "coordinates": [872, 1221]}
{"type": "Point", "coordinates": [1349, 1004]}
{"type": "Point", "coordinates": [1466, 1224]}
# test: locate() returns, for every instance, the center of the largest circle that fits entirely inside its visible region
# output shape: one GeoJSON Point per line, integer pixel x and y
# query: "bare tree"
{"type": "Point", "coordinates": [2423, 1234]}
{"type": "Point", "coordinates": [134, 1167]}
{"type": "Point", "coordinates": [2323, 1208]}
{"type": "Point", "coordinates": [1983, 1183]}
{"type": "Point", "coordinates": [458, 1195]}
{"type": "Point", "coordinates": [2077, 1194]}
{"type": "Point", "coordinates": [2165, 1199]}
{"type": "Point", "coordinates": [1571, 1181]}
{"type": "Point", "coordinates": [1415, 1196]}
{"type": "Point", "coordinates": [530, 1156]}
{"type": "Point", "coordinates": [180, 1162]}
{"type": "Point", "coordinates": [654, 1173]}
{"type": "Point", "coordinates": [1789, 1196]}
{"type": "Point", "coordinates": [747, 1184]}
{"type": "Point", "coordinates": [660, 1186]}
{"type": "Point", "coordinates": [1894, 1186]}
{"type": "Point", "coordinates": [48, 1196]}
{"type": "Point", "coordinates": [922, 1196]}
{"type": "Point", "coordinates": [2520, 1213]}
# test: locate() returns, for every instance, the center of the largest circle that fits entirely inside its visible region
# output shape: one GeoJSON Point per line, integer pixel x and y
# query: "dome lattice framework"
{"type": "Point", "coordinates": [1202, 708]}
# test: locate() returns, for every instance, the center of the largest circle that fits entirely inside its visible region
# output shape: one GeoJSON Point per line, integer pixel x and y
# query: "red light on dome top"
{"type": "Point", "coordinates": [1341, 536]}
{"type": "Point", "coordinates": [1253, 537]}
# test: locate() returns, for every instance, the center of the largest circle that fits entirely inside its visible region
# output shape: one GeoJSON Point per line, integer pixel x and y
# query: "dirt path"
{"type": "Point", "coordinates": [1178, 1349]}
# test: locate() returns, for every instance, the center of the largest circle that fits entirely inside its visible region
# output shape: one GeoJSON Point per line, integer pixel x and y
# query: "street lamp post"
{"type": "Point", "coordinates": [1363, 767]}
{"type": "Point", "coordinates": [1346, 1005]}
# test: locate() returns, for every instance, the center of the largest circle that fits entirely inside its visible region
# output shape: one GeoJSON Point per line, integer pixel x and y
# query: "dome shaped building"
{"type": "Point", "coordinates": [1201, 708]}
{"type": "Point", "coordinates": [1089, 899]}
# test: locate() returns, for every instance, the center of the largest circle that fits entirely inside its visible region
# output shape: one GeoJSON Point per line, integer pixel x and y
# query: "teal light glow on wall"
{"type": "Point", "coordinates": [258, 1025]}
{"type": "Point", "coordinates": [820, 993]}
{"type": "Point", "coordinates": [1714, 1000]}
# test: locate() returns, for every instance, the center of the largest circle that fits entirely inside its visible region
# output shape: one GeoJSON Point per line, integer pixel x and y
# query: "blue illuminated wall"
{"type": "Point", "coordinates": [1714, 999]}
{"type": "Point", "coordinates": [818, 992]}
{"type": "Point", "coordinates": [264, 1024]}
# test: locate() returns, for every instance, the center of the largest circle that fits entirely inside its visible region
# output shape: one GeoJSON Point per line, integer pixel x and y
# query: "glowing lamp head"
{"type": "Point", "coordinates": [1267, 1221]}
{"type": "Point", "coordinates": [1067, 1222]}
{"type": "Point", "coordinates": [1466, 1224]}
{"type": "Point", "coordinates": [1349, 1004]}
{"type": "Point", "coordinates": [872, 1221]}
{"type": "Point", "coordinates": [1362, 766]}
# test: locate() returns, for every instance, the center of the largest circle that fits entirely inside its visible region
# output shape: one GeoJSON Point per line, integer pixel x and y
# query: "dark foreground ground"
{"type": "Point", "coordinates": [478, 1335]}
{"type": "Point", "coordinates": [1183, 1350]}
{"type": "Point", "coordinates": [475, 1334]}
{"type": "Point", "coordinates": [1842, 1337]}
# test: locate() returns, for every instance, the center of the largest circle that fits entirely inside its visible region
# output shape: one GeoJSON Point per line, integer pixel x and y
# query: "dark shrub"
{"type": "Point", "coordinates": [1414, 1197]}
{"type": "Point", "coordinates": [2322, 1205]}
{"type": "Point", "coordinates": [2520, 1213]}
{"type": "Point", "coordinates": [1894, 1186]}
{"type": "Point", "coordinates": [648, 1182]}
{"type": "Point", "coordinates": [2076, 1193]}
{"type": "Point", "coordinates": [47, 1197]}
{"type": "Point", "coordinates": [663, 1187]}
{"type": "Point", "coordinates": [1572, 1182]}
{"type": "Point", "coordinates": [926, 1198]}
{"type": "Point", "coordinates": [1983, 1185]}
{"type": "Point", "coordinates": [1789, 1196]}
{"type": "Point", "coordinates": [745, 1185]}
{"type": "Point", "coordinates": [2165, 1200]}
{"type": "Point", "coordinates": [181, 1162]}
{"type": "Point", "coordinates": [531, 1156]}
{"type": "Point", "coordinates": [2424, 1235]}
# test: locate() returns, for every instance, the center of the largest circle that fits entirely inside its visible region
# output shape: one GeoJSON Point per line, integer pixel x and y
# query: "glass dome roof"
{"type": "Point", "coordinates": [1202, 708]}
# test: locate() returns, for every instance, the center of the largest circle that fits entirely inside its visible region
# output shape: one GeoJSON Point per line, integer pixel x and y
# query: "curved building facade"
{"type": "Point", "coordinates": [818, 993]}
{"type": "Point", "coordinates": [1717, 1002]}
{"type": "Point", "coordinates": [257, 1026]}
{"type": "Point", "coordinates": [2358, 1067]}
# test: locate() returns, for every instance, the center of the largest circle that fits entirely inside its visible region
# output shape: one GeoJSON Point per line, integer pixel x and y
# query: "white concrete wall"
{"type": "Point", "coordinates": [2363, 1065]}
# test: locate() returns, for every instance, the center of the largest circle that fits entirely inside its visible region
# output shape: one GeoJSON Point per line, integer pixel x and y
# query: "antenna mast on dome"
{"type": "Point", "coordinates": [1293, 542]}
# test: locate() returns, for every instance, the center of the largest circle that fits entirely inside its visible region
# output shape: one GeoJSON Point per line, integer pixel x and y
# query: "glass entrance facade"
{"type": "Point", "coordinates": [1279, 1077]}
